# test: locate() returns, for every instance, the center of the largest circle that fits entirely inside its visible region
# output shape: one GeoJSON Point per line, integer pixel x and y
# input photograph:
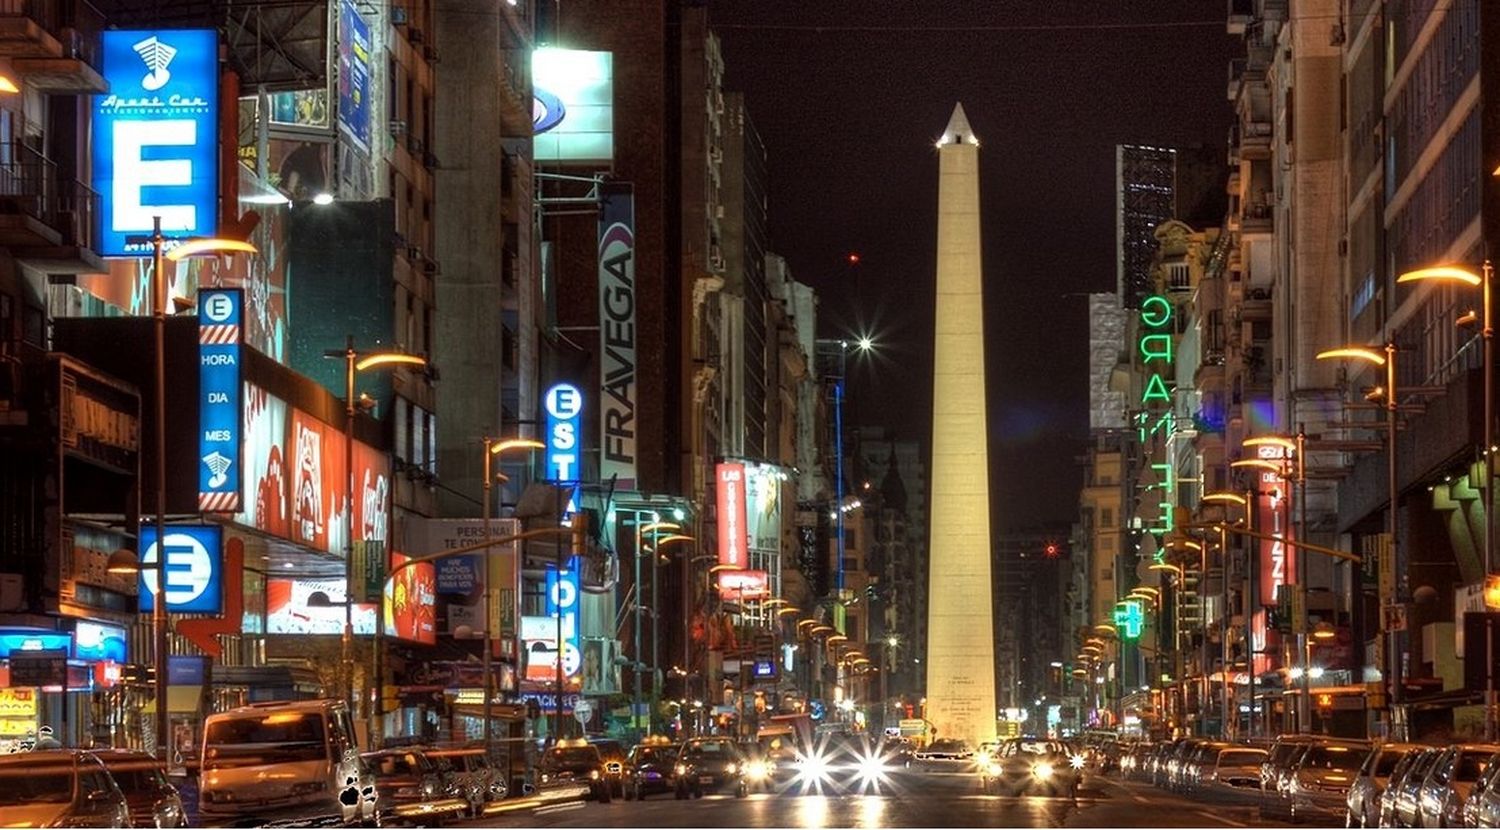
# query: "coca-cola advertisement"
{"type": "Point", "coordinates": [317, 489]}
{"type": "Point", "coordinates": [372, 495]}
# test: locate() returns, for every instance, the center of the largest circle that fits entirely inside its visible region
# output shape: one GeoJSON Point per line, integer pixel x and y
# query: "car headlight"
{"type": "Point", "coordinates": [731, 768]}
{"type": "Point", "coordinates": [1043, 770]}
{"type": "Point", "coordinates": [992, 769]}
{"type": "Point", "coordinates": [813, 767]}
{"type": "Point", "coordinates": [757, 770]}
{"type": "Point", "coordinates": [872, 768]}
{"type": "Point", "coordinates": [681, 769]}
{"type": "Point", "coordinates": [1077, 761]}
{"type": "Point", "coordinates": [593, 773]}
{"type": "Point", "coordinates": [545, 777]}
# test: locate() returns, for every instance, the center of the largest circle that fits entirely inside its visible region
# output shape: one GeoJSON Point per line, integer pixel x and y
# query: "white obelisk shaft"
{"type": "Point", "coordinates": [960, 638]}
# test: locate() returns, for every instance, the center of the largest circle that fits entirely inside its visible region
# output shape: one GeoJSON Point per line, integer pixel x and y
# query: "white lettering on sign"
{"type": "Point", "coordinates": [220, 359]}
{"type": "Point", "coordinates": [134, 172]}
{"type": "Point", "coordinates": [564, 403]}
{"type": "Point", "coordinates": [217, 435]}
{"type": "Point", "coordinates": [189, 569]}
{"type": "Point", "coordinates": [219, 307]}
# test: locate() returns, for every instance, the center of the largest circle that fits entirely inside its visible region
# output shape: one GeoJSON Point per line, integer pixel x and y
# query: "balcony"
{"type": "Point", "coordinates": [1257, 304]}
{"type": "Point", "coordinates": [55, 42]}
{"type": "Point", "coordinates": [47, 220]}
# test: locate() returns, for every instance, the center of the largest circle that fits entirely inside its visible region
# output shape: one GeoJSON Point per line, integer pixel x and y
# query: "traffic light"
{"type": "Point", "coordinates": [580, 533]}
{"type": "Point", "coordinates": [1052, 550]}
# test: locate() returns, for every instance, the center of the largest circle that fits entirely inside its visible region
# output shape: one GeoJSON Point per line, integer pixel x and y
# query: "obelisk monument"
{"type": "Point", "coordinates": [960, 633]}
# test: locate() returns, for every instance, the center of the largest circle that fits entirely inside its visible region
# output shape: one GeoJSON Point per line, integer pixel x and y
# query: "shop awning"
{"type": "Point", "coordinates": [180, 699]}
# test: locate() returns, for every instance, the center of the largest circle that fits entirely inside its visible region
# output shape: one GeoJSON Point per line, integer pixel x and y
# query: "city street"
{"type": "Point", "coordinates": [926, 801]}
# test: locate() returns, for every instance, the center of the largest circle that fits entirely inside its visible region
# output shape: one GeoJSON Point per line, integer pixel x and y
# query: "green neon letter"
{"type": "Point", "coordinates": [1156, 346]}
{"type": "Point", "coordinates": [1156, 312]}
{"type": "Point", "coordinates": [1156, 390]}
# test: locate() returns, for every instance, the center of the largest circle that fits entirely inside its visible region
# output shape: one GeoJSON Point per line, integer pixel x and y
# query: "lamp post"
{"type": "Point", "coordinates": [1176, 630]}
{"type": "Point", "coordinates": [1483, 280]}
{"type": "Point", "coordinates": [493, 448]}
{"type": "Point", "coordinates": [159, 256]}
{"type": "Point", "coordinates": [355, 362]}
{"type": "Point", "coordinates": [653, 527]}
{"type": "Point", "coordinates": [1387, 359]}
{"type": "Point", "coordinates": [659, 542]}
{"type": "Point", "coordinates": [889, 653]}
{"type": "Point", "coordinates": [1231, 716]}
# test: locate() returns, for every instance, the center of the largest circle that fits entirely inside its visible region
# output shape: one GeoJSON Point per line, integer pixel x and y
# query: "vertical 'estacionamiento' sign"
{"type": "Point", "coordinates": [617, 381]}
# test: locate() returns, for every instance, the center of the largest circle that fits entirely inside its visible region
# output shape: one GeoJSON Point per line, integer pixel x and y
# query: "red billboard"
{"type": "Point", "coordinates": [411, 602]}
{"type": "Point", "coordinates": [744, 585]}
{"type": "Point", "coordinates": [317, 482]}
{"type": "Point", "coordinates": [731, 510]}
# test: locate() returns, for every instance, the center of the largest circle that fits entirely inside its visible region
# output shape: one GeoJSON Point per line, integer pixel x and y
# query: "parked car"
{"type": "Point", "coordinates": [946, 755]}
{"type": "Point", "coordinates": [613, 753]}
{"type": "Point", "coordinates": [1275, 774]}
{"type": "Point", "coordinates": [1362, 805]}
{"type": "Point", "coordinates": [648, 768]}
{"type": "Point", "coordinates": [706, 765]}
{"type": "Point", "coordinates": [1441, 797]}
{"type": "Point", "coordinates": [152, 799]}
{"type": "Point", "coordinates": [470, 775]}
{"type": "Point", "coordinates": [1482, 807]}
{"type": "Point", "coordinates": [59, 788]}
{"type": "Point", "coordinates": [1402, 795]}
{"type": "Point", "coordinates": [1232, 766]}
{"type": "Point", "coordinates": [1027, 765]}
{"type": "Point", "coordinates": [572, 762]}
{"type": "Point", "coordinates": [1317, 789]}
{"type": "Point", "coordinates": [268, 760]}
{"type": "Point", "coordinates": [413, 788]}
{"type": "Point", "coordinates": [1190, 769]}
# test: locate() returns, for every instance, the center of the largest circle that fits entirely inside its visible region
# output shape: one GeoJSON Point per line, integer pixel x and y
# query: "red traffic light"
{"type": "Point", "coordinates": [1052, 550]}
{"type": "Point", "coordinates": [853, 258]}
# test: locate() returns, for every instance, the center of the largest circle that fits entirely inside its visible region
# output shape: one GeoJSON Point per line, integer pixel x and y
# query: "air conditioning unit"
{"type": "Point", "coordinates": [430, 52]}
{"type": "Point", "coordinates": [719, 212]}
{"type": "Point", "coordinates": [416, 36]}
{"type": "Point", "coordinates": [397, 127]}
{"type": "Point", "coordinates": [398, 15]}
{"type": "Point", "coordinates": [1336, 35]}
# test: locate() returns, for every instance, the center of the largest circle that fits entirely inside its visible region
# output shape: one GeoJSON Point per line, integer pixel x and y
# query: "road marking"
{"type": "Point", "coordinates": [558, 808]}
{"type": "Point", "coordinates": [1213, 817]}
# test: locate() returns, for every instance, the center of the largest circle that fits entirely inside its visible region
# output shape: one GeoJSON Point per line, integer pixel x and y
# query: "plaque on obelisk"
{"type": "Point", "coordinates": [960, 638]}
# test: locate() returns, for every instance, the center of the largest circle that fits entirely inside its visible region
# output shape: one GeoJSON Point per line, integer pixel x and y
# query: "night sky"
{"type": "Point", "coordinates": [850, 96]}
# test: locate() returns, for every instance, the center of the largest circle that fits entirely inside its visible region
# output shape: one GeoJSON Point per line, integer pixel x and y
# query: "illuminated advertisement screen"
{"type": "Point", "coordinates": [411, 602]}
{"type": "Point", "coordinates": [743, 585]}
{"type": "Point", "coordinates": [155, 141]}
{"type": "Point", "coordinates": [573, 109]}
{"type": "Point", "coordinates": [97, 642]}
{"type": "Point", "coordinates": [193, 570]}
{"type": "Point", "coordinates": [763, 506]}
{"type": "Point", "coordinates": [287, 611]}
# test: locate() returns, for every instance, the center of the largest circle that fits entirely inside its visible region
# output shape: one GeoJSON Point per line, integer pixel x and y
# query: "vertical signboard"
{"type": "Point", "coordinates": [191, 569]}
{"type": "Point", "coordinates": [618, 390]}
{"type": "Point", "coordinates": [1276, 559]}
{"type": "Point", "coordinates": [564, 599]}
{"type": "Point", "coordinates": [155, 142]}
{"type": "Point", "coordinates": [731, 510]}
{"type": "Point", "coordinates": [354, 74]}
{"type": "Point", "coordinates": [564, 405]}
{"type": "Point", "coordinates": [220, 333]}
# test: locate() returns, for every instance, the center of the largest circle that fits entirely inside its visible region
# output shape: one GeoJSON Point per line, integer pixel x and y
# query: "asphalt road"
{"type": "Point", "coordinates": [917, 801]}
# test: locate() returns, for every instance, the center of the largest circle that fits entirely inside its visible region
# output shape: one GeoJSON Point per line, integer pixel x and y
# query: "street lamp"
{"type": "Point", "coordinates": [355, 362]}
{"type": "Point", "coordinates": [159, 256]}
{"type": "Point", "coordinates": [654, 528]}
{"type": "Point", "coordinates": [492, 449]}
{"type": "Point", "coordinates": [1484, 281]}
{"type": "Point", "coordinates": [1387, 359]}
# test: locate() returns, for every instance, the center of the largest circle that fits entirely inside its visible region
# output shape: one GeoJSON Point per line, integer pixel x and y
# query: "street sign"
{"type": "Point", "coordinates": [220, 333]}
{"type": "Point", "coordinates": [193, 570]}
{"type": "Point", "coordinates": [1394, 616]}
{"type": "Point", "coordinates": [583, 710]}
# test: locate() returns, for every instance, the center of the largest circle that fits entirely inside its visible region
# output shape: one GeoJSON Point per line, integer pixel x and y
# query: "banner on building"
{"type": "Point", "coordinates": [618, 391]}
{"type": "Point", "coordinates": [763, 483]}
{"type": "Point", "coordinates": [354, 75]}
{"type": "Point", "coordinates": [411, 602]}
{"type": "Point", "coordinates": [155, 137]}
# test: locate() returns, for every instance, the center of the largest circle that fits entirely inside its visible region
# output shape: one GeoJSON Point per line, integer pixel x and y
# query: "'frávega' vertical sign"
{"type": "Point", "coordinates": [156, 136]}
{"type": "Point", "coordinates": [220, 333]}
{"type": "Point", "coordinates": [617, 380]}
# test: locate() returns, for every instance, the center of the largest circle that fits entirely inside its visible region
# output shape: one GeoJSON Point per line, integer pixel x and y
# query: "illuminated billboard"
{"type": "Point", "coordinates": [738, 586]}
{"type": "Point", "coordinates": [763, 483]}
{"type": "Point", "coordinates": [220, 332]}
{"type": "Point", "coordinates": [617, 333]}
{"type": "Point", "coordinates": [155, 140]}
{"type": "Point", "coordinates": [573, 109]}
{"type": "Point", "coordinates": [192, 571]}
{"type": "Point", "coordinates": [287, 611]}
{"type": "Point", "coordinates": [411, 602]}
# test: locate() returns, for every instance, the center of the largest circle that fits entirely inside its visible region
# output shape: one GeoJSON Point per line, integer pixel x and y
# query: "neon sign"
{"type": "Point", "coordinates": [1129, 620]}
{"type": "Point", "coordinates": [1156, 421]}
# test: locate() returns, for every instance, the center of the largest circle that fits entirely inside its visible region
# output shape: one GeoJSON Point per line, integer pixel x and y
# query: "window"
{"type": "Point", "coordinates": [1106, 516]}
